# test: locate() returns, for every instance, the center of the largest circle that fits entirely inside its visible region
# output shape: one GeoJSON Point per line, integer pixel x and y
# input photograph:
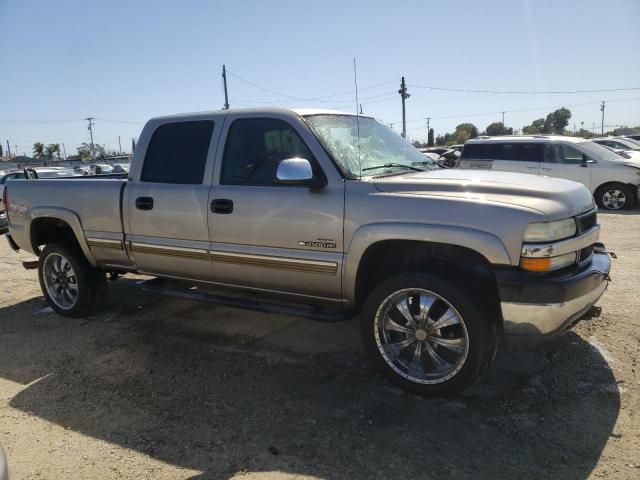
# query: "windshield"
{"type": "Point", "coordinates": [598, 152]}
{"type": "Point", "coordinates": [378, 150]}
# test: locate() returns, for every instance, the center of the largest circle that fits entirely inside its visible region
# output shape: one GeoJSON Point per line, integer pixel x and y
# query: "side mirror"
{"type": "Point", "coordinates": [296, 171]}
{"type": "Point", "coordinates": [586, 161]}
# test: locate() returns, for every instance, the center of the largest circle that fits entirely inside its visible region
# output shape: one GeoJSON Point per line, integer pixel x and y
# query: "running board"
{"type": "Point", "coordinates": [175, 289]}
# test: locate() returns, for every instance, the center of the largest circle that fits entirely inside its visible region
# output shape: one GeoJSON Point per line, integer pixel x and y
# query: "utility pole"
{"type": "Point", "coordinates": [428, 129]}
{"type": "Point", "coordinates": [119, 146]}
{"type": "Point", "coordinates": [602, 110]}
{"type": "Point", "coordinates": [502, 119]}
{"type": "Point", "coordinates": [224, 80]}
{"type": "Point", "coordinates": [593, 129]}
{"type": "Point", "coordinates": [404, 95]}
{"type": "Point", "coordinates": [90, 128]}
{"type": "Point", "coordinates": [64, 150]}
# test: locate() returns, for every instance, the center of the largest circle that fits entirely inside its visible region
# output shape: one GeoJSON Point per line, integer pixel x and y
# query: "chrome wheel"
{"type": "Point", "coordinates": [60, 281]}
{"type": "Point", "coordinates": [421, 336]}
{"type": "Point", "coordinates": [614, 199]}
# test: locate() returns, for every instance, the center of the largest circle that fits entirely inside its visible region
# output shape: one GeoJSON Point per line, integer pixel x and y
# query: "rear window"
{"type": "Point", "coordinates": [516, 151]}
{"type": "Point", "coordinates": [177, 153]}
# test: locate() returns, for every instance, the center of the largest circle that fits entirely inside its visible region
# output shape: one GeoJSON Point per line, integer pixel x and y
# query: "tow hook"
{"type": "Point", "coordinates": [600, 248]}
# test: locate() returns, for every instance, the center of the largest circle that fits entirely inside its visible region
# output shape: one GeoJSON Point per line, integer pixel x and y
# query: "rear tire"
{"type": "Point", "coordinates": [427, 335]}
{"type": "Point", "coordinates": [614, 196]}
{"type": "Point", "coordinates": [70, 284]}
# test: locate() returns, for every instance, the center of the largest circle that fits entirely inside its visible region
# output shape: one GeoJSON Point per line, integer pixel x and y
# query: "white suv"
{"type": "Point", "coordinates": [612, 179]}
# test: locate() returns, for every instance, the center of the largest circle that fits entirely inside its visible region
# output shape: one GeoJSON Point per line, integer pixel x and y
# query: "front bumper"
{"type": "Point", "coordinates": [535, 306]}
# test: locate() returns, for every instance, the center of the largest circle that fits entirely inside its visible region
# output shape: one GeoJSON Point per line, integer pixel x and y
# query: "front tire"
{"type": "Point", "coordinates": [614, 196]}
{"type": "Point", "coordinates": [427, 335]}
{"type": "Point", "coordinates": [70, 284]}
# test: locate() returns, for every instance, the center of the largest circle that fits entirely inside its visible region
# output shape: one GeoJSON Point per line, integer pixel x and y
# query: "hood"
{"type": "Point", "coordinates": [632, 161]}
{"type": "Point", "coordinates": [555, 197]}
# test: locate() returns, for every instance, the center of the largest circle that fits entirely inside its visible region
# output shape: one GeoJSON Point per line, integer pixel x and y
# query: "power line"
{"type": "Point", "coordinates": [304, 99]}
{"type": "Point", "coordinates": [524, 92]}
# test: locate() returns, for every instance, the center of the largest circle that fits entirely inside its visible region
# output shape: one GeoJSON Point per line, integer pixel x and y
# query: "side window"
{"type": "Point", "coordinates": [559, 153]}
{"type": "Point", "coordinates": [255, 147]}
{"type": "Point", "coordinates": [519, 152]}
{"type": "Point", "coordinates": [177, 153]}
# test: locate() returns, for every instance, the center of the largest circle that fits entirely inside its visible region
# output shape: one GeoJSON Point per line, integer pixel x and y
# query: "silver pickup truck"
{"type": "Point", "coordinates": [329, 215]}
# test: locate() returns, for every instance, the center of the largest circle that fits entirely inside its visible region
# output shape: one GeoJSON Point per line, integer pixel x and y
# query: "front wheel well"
{"type": "Point", "coordinates": [460, 266]}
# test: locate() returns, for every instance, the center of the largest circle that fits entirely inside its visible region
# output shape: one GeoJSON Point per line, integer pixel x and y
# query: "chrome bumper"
{"type": "Point", "coordinates": [531, 319]}
{"type": "Point", "coordinates": [545, 306]}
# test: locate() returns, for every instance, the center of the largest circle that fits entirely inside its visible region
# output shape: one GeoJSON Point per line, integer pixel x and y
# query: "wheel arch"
{"type": "Point", "coordinates": [459, 264]}
{"type": "Point", "coordinates": [49, 225]}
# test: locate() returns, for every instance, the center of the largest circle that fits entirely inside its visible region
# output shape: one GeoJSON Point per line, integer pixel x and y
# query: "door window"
{"type": "Point", "coordinates": [516, 151]}
{"type": "Point", "coordinates": [177, 153]}
{"type": "Point", "coordinates": [255, 147]}
{"type": "Point", "coordinates": [559, 153]}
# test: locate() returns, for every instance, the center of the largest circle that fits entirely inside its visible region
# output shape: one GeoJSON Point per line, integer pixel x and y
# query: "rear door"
{"type": "Point", "coordinates": [167, 201]}
{"type": "Point", "coordinates": [271, 236]}
{"type": "Point", "coordinates": [564, 161]}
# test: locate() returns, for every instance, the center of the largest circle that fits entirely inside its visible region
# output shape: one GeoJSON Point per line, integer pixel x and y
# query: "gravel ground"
{"type": "Point", "coordinates": [156, 387]}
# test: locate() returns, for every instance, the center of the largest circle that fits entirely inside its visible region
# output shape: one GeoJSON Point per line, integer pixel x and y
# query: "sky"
{"type": "Point", "coordinates": [124, 61]}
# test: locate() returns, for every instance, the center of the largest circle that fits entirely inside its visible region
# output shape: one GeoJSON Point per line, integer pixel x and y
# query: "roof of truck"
{"type": "Point", "coordinates": [265, 110]}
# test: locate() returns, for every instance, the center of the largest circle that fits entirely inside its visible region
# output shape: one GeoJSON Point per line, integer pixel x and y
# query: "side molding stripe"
{"type": "Point", "coordinates": [278, 263]}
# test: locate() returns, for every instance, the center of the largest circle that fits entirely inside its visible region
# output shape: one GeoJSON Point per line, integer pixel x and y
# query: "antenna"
{"type": "Point", "coordinates": [355, 81]}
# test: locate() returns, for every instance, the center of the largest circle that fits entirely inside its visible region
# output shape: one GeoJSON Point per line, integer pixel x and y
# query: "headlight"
{"type": "Point", "coordinates": [550, 231]}
{"type": "Point", "coordinates": [547, 264]}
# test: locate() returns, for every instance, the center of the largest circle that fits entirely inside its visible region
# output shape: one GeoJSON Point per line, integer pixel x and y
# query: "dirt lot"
{"type": "Point", "coordinates": [156, 387]}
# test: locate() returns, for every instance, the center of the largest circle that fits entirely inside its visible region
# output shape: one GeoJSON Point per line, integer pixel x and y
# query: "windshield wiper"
{"type": "Point", "coordinates": [390, 165]}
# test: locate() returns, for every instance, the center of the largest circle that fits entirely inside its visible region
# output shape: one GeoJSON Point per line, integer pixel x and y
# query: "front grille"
{"type": "Point", "coordinates": [586, 222]}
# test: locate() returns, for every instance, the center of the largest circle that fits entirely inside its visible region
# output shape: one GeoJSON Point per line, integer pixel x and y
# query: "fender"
{"type": "Point", "coordinates": [68, 216]}
{"type": "Point", "coordinates": [486, 244]}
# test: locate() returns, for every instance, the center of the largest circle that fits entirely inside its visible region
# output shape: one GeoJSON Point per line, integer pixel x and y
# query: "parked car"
{"type": "Point", "coordinates": [5, 177]}
{"type": "Point", "coordinates": [4, 470]}
{"type": "Point", "coordinates": [338, 213]}
{"type": "Point", "coordinates": [53, 172]}
{"type": "Point", "coordinates": [4, 223]}
{"type": "Point", "coordinates": [82, 170]}
{"type": "Point", "coordinates": [618, 143]}
{"type": "Point", "coordinates": [613, 181]}
{"type": "Point", "coordinates": [120, 168]}
{"type": "Point", "coordinates": [101, 169]}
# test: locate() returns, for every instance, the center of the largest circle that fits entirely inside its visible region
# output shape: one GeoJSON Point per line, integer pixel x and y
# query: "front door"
{"type": "Point", "coordinates": [564, 161]}
{"type": "Point", "coordinates": [270, 236]}
{"type": "Point", "coordinates": [166, 226]}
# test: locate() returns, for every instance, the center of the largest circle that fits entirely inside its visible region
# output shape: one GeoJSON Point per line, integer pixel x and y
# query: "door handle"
{"type": "Point", "coordinates": [144, 203]}
{"type": "Point", "coordinates": [222, 206]}
{"type": "Point", "coordinates": [547, 169]}
{"type": "Point", "coordinates": [532, 168]}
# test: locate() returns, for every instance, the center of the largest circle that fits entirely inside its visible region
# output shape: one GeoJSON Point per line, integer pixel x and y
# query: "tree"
{"type": "Point", "coordinates": [38, 151]}
{"type": "Point", "coordinates": [1, 151]}
{"type": "Point", "coordinates": [430, 137]}
{"type": "Point", "coordinates": [557, 121]}
{"type": "Point", "coordinates": [440, 140]}
{"type": "Point", "coordinates": [51, 150]}
{"type": "Point", "coordinates": [470, 128]}
{"type": "Point", "coordinates": [84, 151]}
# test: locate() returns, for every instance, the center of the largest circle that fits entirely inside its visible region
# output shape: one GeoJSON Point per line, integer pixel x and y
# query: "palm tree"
{"type": "Point", "coordinates": [51, 150]}
{"type": "Point", "coordinates": [38, 151]}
